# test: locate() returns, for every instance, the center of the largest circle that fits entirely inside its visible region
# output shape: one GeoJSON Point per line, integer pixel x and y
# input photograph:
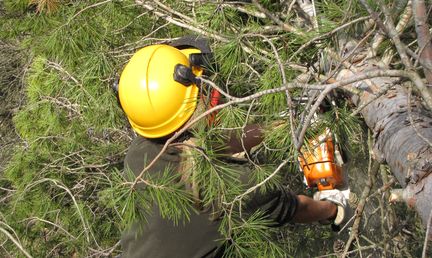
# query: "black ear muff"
{"type": "Point", "coordinates": [115, 88]}
{"type": "Point", "coordinates": [203, 60]}
{"type": "Point", "coordinates": [184, 75]}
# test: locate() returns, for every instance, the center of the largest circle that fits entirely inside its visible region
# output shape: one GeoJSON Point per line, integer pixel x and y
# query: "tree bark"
{"type": "Point", "coordinates": [402, 130]}
{"type": "Point", "coordinates": [423, 36]}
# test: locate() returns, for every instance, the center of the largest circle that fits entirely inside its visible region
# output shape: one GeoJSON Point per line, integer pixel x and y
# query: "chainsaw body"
{"type": "Point", "coordinates": [320, 167]}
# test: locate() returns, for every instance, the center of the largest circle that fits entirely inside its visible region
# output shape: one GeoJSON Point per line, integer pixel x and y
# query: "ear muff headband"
{"type": "Point", "coordinates": [203, 60]}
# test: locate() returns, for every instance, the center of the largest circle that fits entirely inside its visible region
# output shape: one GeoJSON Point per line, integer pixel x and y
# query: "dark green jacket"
{"type": "Point", "coordinates": [200, 236]}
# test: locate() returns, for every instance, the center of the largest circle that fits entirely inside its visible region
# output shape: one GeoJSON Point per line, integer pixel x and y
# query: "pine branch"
{"type": "Point", "coordinates": [275, 19]}
{"type": "Point", "coordinates": [253, 188]}
{"type": "Point", "coordinates": [58, 184]}
{"type": "Point", "coordinates": [325, 90]}
{"type": "Point", "coordinates": [85, 9]}
{"type": "Point", "coordinates": [327, 34]}
{"type": "Point", "coordinates": [191, 27]}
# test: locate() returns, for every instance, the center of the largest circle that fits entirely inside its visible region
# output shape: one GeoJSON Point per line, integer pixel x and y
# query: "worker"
{"type": "Point", "coordinates": [159, 93]}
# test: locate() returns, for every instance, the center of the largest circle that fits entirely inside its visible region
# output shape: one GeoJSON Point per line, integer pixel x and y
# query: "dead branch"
{"type": "Point", "coordinates": [31, 219]}
{"type": "Point", "coordinates": [358, 213]}
{"type": "Point", "coordinates": [84, 9]}
{"type": "Point", "coordinates": [327, 34]}
{"type": "Point", "coordinates": [16, 242]}
{"type": "Point", "coordinates": [170, 19]}
{"type": "Point", "coordinates": [326, 88]}
{"type": "Point", "coordinates": [423, 36]}
{"type": "Point", "coordinates": [61, 186]}
{"type": "Point", "coordinates": [410, 116]}
{"type": "Point", "coordinates": [428, 236]}
{"type": "Point", "coordinates": [276, 19]}
{"type": "Point", "coordinates": [400, 27]}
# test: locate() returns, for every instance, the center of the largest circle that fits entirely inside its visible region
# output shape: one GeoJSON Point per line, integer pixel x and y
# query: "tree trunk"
{"type": "Point", "coordinates": [402, 138]}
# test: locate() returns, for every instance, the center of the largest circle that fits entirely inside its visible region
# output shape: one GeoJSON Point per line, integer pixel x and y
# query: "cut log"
{"type": "Point", "coordinates": [402, 137]}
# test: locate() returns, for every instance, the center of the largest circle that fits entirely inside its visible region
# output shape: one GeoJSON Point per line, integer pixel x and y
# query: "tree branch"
{"type": "Point", "coordinates": [423, 36]}
{"type": "Point", "coordinates": [326, 88]}
{"type": "Point", "coordinates": [18, 244]}
{"type": "Point", "coordinates": [358, 213]}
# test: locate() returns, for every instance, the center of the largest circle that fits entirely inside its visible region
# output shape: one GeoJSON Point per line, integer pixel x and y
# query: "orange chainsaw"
{"type": "Point", "coordinates": [321, 163]}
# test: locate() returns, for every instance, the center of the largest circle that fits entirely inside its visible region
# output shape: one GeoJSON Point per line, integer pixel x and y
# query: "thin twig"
{"type": "Point", "coordinates": [427, 237]}
{"type": "Point", "coordinates": [53, 224]}
{"type": "Point", "coordinates": [383, 189]}
{"type": "Point", "coordinates": [182, 24]}
{"type": "Point", "coordinates": [253, 188]}
{"type": "Point", "coordinates": [326, 88]}
{"type": "Point", "coordinates": [221, 91]}
{"type": "Point", "coordinates": [275, 19]}
{"type": "Point", "coordinates": [60, 185]}
{"type": "Point", "coordinates": [287, 93]}
{"type": "Point", "coordinates": [416, 129]}
{"type": "Point", "coordinates": [423, 35]}
{"type": "Point", "coordinates": [15, 241]}
{"type": "Point", "coordinates": [327, 34]}
{"type": "Point", "coordinates": [85, 9]}
{"type": "Point", "coordinates": [373, 246]}
{"type": "Point", "coordinates": [361, 205]}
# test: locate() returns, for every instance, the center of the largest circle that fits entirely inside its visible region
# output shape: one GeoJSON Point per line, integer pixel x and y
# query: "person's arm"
{"type": "Point", "coordinates": [283, 206]}
{"type": "Point", "coordinates": [251, 136]}
{"type": "Point", "coordinates": [308, 210]}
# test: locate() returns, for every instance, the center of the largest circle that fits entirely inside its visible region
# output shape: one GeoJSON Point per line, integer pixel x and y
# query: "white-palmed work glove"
{"type": "Point", "coordinates": [340, 198]}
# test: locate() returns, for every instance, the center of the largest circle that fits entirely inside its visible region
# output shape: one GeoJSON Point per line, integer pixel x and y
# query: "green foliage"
{"type": "Point", "coordinates": [278, 142]}
{"type": "Point", "coordinates": [340, 10]}
{"type": "Point", "coordinates": [18, 5]}
{"type": "Point", "coordinates": [229, 56]}
{"type": "Point", "coordinates": [221, 180]}
{"type": "Point", "coordinates": [69, 195]}
{"type": "Point", "coordinates": [168, 192]}
{"type": "Point", "coordinates": [70, 125]}
{"type": "Point", "coordinates": [231, 117]}
{"type": "Point", "coordinates": [254, 236]}
{"type": "Point", "coordinates": [260, 173]}
{"type": "Point", "coordinates": [274, 103]}
{"type": "Point", "coordinates": [346, 127]}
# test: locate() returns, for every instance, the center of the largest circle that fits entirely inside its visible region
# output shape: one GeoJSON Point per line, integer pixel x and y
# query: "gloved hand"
{"type": "Point", "coordinates": [340, 198]}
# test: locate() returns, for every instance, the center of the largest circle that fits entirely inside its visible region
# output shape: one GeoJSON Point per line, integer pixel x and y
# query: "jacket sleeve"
{"type": "Point", "coordinates": [279, 205]}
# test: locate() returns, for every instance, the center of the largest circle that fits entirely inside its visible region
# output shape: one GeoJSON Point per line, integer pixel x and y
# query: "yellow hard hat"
{"type": "Point", "coordinates": [155, 103]}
